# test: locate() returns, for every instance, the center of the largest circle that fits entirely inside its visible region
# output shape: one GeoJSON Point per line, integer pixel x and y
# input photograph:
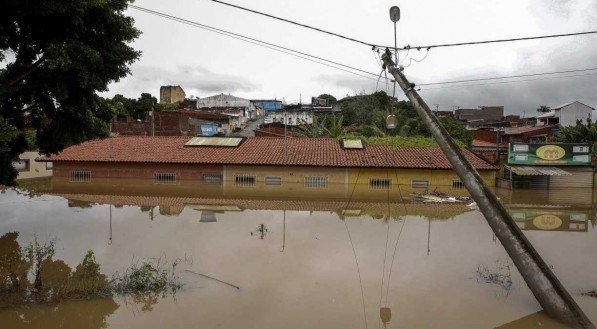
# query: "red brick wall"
{"type": "Point", "coordinates": [485, 135]}
{"type": "Point", "coordinates": [135, 170]}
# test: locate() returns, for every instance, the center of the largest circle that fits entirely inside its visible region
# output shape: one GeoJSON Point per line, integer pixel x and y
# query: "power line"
{"type": "Point", "coordinates": [506, 77]}
{"type": "Point", "coordinates": [300, 24]}
{"type": "Point", "coordinates": [513, 81]}
{"type": "Point", "coordinates": [500, 40]}
{"type": "Point", "coordinates": [343, 67]}
{"type": "Point", "coordinates": [405, 47]}
{"type": "Point", "coordinates": [261, 43]}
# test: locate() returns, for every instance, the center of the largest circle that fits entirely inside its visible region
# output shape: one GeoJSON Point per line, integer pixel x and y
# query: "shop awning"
{"type": "Point", "coordinates": [538, 171]}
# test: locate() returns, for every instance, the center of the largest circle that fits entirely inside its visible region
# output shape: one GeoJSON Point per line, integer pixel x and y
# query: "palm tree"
{"type": "Point", "coordinates": [334, 127]}
{"type": "Point", "coordinates": [543, 109]}
{"type": "Point", "coordinates": [315, 129]}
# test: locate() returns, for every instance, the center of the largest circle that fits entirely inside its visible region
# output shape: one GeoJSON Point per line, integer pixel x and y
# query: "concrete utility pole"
{"type": "Point", "coordinates": [546, 287]}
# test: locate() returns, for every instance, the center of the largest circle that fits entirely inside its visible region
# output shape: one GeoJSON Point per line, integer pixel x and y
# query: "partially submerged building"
{"type": "Point", "coordinates": [263, 163]}
{"type": "Point", "coordinates": [549, 166]}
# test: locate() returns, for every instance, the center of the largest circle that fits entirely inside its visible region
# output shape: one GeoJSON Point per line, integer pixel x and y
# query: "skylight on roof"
{"type": "Point", "coordinates": [214, 141]}
{"type": "Point", "coordinates": [352, 143]}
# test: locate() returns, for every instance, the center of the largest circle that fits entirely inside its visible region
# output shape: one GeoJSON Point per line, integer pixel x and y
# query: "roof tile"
{"type": "Point", "coordinates": [325, 152]}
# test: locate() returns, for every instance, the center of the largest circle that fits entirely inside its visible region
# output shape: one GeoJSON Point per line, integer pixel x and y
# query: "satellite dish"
{"type": "Point", "coordinates": [395, 14]}
{"type": "Point", "coordinates": [391, 121]}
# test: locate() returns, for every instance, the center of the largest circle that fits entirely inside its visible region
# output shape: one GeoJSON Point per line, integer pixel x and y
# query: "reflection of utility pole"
{"type": "Point", "coordinates": [110, 237]}
{"type": "Point", "coordinates": [548, 290]}
{"type": "Point", "coordinates": [285, 131]}
{"type": "Point", "coordinates": [284, 232]}
{"type": "Point", "coordinates": [428, 235]}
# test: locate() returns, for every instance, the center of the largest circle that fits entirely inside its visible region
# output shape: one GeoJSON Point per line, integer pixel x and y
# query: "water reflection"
{"type": "Point", "coordinates": [91, 314]}
{"type": "Point", "coordinates": [327, 260]}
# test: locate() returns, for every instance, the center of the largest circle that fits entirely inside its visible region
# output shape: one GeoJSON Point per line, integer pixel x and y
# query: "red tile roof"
{"type": "Point", "coordinates": [480, 143]}
{"type": "Point", "coordinates": [324, 152]}
{"type": "Point", "coordinates": [524, 130]}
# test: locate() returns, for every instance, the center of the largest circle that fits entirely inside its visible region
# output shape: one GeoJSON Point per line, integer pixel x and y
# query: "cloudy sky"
{"type": "Point", "coordinates": [205, 63]}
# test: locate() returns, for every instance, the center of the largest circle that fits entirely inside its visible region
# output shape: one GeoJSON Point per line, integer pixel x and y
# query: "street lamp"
{"type": "Point", "coordinates": [395, 17]}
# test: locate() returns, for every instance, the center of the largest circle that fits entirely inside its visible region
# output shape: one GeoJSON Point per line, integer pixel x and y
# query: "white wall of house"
{"type": "Point", "coordinates": [291, 118]}
{"type": "Point", "coordinates": [223, 100]}
{"type": "Point", "coordinates": [29, 168]}
{"type": "Point", "coordinates": [570, 113]}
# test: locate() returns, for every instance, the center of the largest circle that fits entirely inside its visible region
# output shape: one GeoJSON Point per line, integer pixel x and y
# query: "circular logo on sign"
{"type": "Point", "coordinates": [551, 152]}
{"type": "Point", "coordinates": [547, 222]}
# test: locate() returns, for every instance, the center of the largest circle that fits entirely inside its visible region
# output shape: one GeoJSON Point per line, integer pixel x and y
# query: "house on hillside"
{"type": "Point", "coordinates": [267, 104]}
{"type": "Point", "coordinates": [171, 94]}
{"type": "Point", "coordinates": [566, 115]}
{"type": "Point", "coordinates": [291, 115]}
{"type": "Point", "coordinates": [539, 134]}
{"type": "Point", "coordinates": [482, 116]}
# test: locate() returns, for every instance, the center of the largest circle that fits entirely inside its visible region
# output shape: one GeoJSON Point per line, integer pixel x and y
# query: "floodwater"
{"type": "Point", "coordinates": [301, 259]}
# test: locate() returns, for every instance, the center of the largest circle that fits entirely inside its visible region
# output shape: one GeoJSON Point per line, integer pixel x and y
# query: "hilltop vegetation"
{"type": "Point", "coordinates": [364, 116]}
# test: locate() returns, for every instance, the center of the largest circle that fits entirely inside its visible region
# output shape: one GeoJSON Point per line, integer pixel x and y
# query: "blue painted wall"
{"type": "Point", "coordinates": [269, 105]}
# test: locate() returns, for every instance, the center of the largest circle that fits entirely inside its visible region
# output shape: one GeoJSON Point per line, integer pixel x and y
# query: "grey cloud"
{"type": "Point", "coordinates": [195, 80]}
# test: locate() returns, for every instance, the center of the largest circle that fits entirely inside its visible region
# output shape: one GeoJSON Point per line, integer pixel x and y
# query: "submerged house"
{"type": "Point", "coordinates": [262, 164]}
{"type": "Point", "coordinates": [549, 167]}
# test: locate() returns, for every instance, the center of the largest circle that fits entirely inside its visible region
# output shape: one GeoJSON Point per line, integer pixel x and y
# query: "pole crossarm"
{"type": "Point", "coordinates": [544, 285]}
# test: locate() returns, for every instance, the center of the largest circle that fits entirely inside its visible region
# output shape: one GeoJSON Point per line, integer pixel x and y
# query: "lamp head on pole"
{"type": "Point", "coordinates": [394, 14]}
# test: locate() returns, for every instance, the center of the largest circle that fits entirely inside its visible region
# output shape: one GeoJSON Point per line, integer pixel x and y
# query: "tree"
{"type": "Point", "coordinates": [543, 109]}
{"type": "Point", "coordinates": [57, 54]}
{"type": "Point", "coordinates": [331, 100]}
{"type": "Point", "coordinates": [580, 133]}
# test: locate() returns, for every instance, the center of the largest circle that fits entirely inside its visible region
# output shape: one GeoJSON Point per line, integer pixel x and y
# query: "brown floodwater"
{"type": "Point", "coordinates": [302, 258]}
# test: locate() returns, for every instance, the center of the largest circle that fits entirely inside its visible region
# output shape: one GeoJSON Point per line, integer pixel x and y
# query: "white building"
{"type": "Point", "coordinates": [294, 117]}
{"type": "Point", "coordinates": [566, 115]}
{"type": "Point", "coordinates": [223, 100]}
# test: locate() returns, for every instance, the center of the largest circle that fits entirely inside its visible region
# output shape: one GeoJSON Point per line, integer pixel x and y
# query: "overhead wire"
{"type": "Point", "coordinates": [334, 64]}
{"type": "Point", "coordinates": [512, 81]}
{"type": "Point", "coordinates": [468, 43]}
{"type": "Point", "coordinates": [504, 40]}
{"type": "Point", "coordinates": [507, 77]}
{"type": "Point", "coordinates": [286, 50]}
{"type": "Point", "coordinates": [300, 24]}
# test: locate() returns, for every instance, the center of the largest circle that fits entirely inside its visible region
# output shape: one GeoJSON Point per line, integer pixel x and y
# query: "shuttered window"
{"type": "Point", "coordinates": [273, 180]}
{"type": "Point", "coordinates": [244, 180]}
{"type": "Point", "coordinates": [419, 183]}
{"type": "Point", "coordinates": [457, 185]}
{"type": "Point", "coordinates": [380, 183]}
{"type": "Point", "coordinates": [167, 178]}
{"type": "Point", "coordinates": [80, 176]}
{"type": "Point", "coordinates": [212, 178]}
{"type": "Point", "coordinates": [316, 182]}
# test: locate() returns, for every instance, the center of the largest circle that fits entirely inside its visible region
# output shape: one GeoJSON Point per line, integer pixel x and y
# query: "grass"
{"type": "Point", "coordinates": [400, 141]}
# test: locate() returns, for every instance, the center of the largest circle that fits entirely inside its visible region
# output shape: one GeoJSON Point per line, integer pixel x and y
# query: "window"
{"type": "Point", "coordinates": [580, 149]}
{"type": "Point", "coordinates": [316, 182]}
{"type": "Point", "coordinates": [521, 157]}
{"type": "Point", "coordinates": [167, 178]}
{"type": "Point", "coordinates": [380, 183]}
{"type": "Point", "coordinates": [80, 176]}
{"type": "Point", "coordinates": [49, 165]}
{"type": "Point", "coordinates": [419, 183]}
{"type": "Point", "coordinates": [581, 158]}
{"type": "Point", "coordinates": [457, 184]}
{"type": "Point", "coordinates": [520, 148]}
{"type": "Point", "coordinates": [21, 165]}
{"type": "Point", "coordinates": [244, 180]}
{"type": "Point", "coordinates": [273, 180]}
{"type": "Point", "coordinates": [212, 178]}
